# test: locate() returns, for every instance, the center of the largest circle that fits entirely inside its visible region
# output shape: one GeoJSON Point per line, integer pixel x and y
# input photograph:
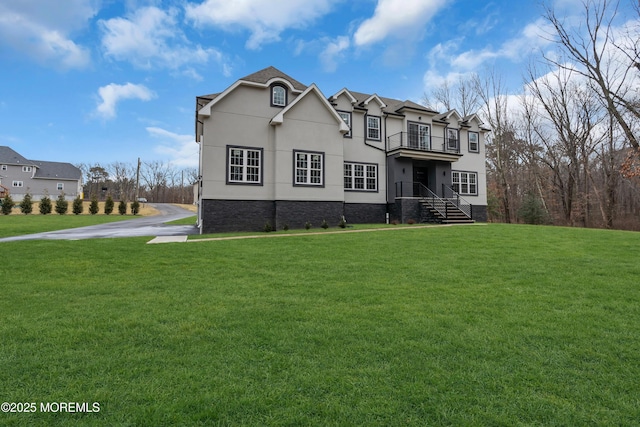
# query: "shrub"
{"type": "Point", "coordinates": [45, 205]}
{"type": "Point", "coordinates": [135, 207]}
{"type": "Point", "coordinates": [307, 225]}
{"type": "Point", "coordinates": [27, 204]}
{"type": "Point", "coordinates": [285, 227]}
{"type": "Point", "coordinates": [93, 207]}
{"type": "Point", "coordinates": [267, 227]}
{"type": "Point", "coordinates": [411, 221]}
{"type": "Point", "coordinates": [108, 205]}
{"type": "Point", "coordinates": [7, 205]}
{"type": "Point", "coordinates": [532, 210]}
{"type": "Point", "coordinates": [122, 207]}
{"type": "Point", "coordinates": [77, 206]}
{"type": "Point", "coordinates": [342, 223]}
{"type": "Point", "coordinates": [61, 205]}
{"type": "Point", "coordinates": [324, 224]}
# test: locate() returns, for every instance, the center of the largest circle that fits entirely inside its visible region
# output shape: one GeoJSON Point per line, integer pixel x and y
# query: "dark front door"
{"type": "Point", "coordinates": [421, 176]}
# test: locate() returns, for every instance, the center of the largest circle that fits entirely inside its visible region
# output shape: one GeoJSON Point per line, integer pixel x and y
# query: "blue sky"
{"type": "Point", "coordinates": [99, 81]}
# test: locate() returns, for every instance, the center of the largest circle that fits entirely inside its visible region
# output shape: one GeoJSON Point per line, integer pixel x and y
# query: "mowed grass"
{"type": "Point", "coordinates": [469, 325]}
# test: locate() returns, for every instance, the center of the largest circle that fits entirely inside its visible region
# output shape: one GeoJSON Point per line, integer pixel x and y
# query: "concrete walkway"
{"type": "Point", "coordinates": [182, 239]}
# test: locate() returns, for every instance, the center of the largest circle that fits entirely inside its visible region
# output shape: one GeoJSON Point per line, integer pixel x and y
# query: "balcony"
{"type": "Point", "coordinates": [423, 146]}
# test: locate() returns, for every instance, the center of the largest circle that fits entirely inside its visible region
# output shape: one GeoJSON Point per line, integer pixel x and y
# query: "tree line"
{"type": "Point", "coordinates": [566, 150]}
{"type": "Point", "coordinates": [155, 181]}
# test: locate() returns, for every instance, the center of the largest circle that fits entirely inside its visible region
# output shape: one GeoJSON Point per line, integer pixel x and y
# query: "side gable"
{"type": "Point", "coordinates": [279, 118]}
{"type": "Point", "coordinates": [261, 79]}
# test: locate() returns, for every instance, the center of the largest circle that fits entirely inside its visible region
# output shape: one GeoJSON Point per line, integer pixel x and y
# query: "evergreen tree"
{"type": "Point", "coordinates": [93, 207]}
{"type": "Point", "coordinates": [45, 205]}
{"type": "Point", "coordinates": [108, 205]}
{"type": "Point", "coordinates": [27, 205]}
{"type": "Point", "coordinates": [122, 207]}
{"type": "Point", "coordinates": [532, 210]}
{"type": "Point", "coordinates": [61, 205]}
{"type": "Point", "coordinates": [135, 207]}
{"type": "Point", "coordinates": [7, 205]}
{"type": "Point", "coordinates": [78, 207]}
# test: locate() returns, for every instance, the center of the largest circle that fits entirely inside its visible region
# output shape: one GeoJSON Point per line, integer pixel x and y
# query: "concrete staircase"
{"type": "Point", "coordinates": [442, 211]}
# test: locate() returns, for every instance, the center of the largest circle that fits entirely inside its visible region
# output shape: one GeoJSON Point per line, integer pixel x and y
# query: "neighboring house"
{"type": "Point", "coordinates": [38, 178]}
{"type": "Point", "coordinates": [274, 151]}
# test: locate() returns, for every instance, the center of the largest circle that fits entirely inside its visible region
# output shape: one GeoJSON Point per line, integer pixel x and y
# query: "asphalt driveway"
{"type": "Point", "coordinates": [143, 226]}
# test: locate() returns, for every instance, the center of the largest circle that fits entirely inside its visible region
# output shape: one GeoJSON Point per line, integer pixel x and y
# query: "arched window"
{"type": "Point", "coordinates": [278, 96]}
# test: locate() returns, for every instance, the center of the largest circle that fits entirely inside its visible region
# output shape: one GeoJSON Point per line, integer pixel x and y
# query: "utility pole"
{"type": "Point", "coordinates": [138, 180]}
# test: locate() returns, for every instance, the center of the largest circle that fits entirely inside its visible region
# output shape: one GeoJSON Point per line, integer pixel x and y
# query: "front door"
{"type": "Point", "coordinates": [420, 176]}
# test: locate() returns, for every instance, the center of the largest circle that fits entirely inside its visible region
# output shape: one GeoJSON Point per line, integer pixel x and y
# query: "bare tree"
{"type": "Point", "coordinates": [123, 177]}
{"type": "Point", "coordinates": [461, 96]}
{"type": "Point", "coordinates": [597, 55]}
{"type": "Point", "coordinates": [501, 154]}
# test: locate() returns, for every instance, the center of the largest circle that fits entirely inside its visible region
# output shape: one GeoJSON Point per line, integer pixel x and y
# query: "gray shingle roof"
{"type": "Point", "coordinates": [56, 170]}
{"type": "Point", "coordinates": [393, 105]}
{"type": "Point", "coordinates": [44, 169]}
{"type": "Point", "coordinates": [270, 72]}
{"type": "Point", "coordinates": [10, 157]}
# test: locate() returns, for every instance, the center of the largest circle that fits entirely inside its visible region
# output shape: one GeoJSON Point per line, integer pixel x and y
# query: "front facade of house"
{"type": "Point", "coordinates": [274, 151]}
{"type": "Point", "coordinates": [20, 176]}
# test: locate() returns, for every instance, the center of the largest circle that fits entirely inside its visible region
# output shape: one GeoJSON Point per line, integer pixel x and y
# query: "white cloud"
{"type": "Point", "coordinates": [401, 18]}
{"type": "Point", "coordinates": [41, 30]}
{"type": "Point", "coordinates": [182, 149]}
{"type": "Point", "coordinates": [265, 20]}
{"type": "Point", "coordinates": [113, 93]}
{"type": "Point", "coordinates": [151, 37]}
{"type": "Point", "coordinates": [333, 52]}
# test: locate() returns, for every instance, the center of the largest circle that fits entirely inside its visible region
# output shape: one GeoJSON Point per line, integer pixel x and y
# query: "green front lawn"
{"type": "Point", "coordinates": [469, 325]}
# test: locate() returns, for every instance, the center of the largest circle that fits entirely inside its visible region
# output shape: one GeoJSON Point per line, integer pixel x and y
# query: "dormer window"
{"type": "Point", "coordinates": [278, 96]}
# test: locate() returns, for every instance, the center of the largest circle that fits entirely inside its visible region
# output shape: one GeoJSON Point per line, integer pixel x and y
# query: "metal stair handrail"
{"type": "Point", "coordinates": [427, 194]}
{"type": "Point", "coordinates": [458, 200]}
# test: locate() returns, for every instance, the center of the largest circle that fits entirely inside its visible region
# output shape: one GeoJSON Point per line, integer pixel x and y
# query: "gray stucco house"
{"type": "Point", "coordinates": [37, 177]}
{"type": "Point", "coordinates": [275, 151]}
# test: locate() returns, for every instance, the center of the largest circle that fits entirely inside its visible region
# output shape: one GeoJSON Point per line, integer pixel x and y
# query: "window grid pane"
{"type": "Point", "coordinates": [244, 165]}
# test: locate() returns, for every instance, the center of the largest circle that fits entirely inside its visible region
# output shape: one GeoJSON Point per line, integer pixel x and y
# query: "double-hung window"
{"type": "Point", "coordinates": [309, 168]}
{"type": "Point", "coordinates": [360, 176]}
{"type": "Point", "coordinates": [26, 169]}
{"type": "Point", "coordinates": [373, 127]}
{"type": "Point", "coordinates": [60, 186]}
{"type": "Point", "coordinates": [18, 183]}
{"type": "Point", "coordinates": [346, 116]}
{"type": "Point", "coordinates": [474, 142]}
{"type": "Point", "coordinates": [244, 165]}
{"type": "Point", "coordinates": [452, 140]}
{"type": "Point", "coordinates": [465, 183]}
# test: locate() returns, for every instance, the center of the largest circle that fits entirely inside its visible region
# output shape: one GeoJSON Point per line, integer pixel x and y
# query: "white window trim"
{"type": "Point", "coordinates": [346, 116]}
{"type": "Point", "coordinates": [60, 186]}
{"type": "Point", "coordinates": [477, 150]}
{"type": "Point", "coordinates": [26, 169]}
{"type": "Point", "coordinates": [456, 139]}
{"type": "Point", "coordinates": [308, 169]}
{"type": "Point", "coordinates": [18, 184]}
{"type": "Point", "coordinates": [378, 129]}
{"type": "Point", "coordinates": [273, 96]}
{"type": "Point", "coordinates": [245, 167]}
{"type": "Point", "coordinates": [4, 167]}
{"type": "Point", "coordinates": [369, 183]}
{"type": "Point", "coordinates": [464, 188]}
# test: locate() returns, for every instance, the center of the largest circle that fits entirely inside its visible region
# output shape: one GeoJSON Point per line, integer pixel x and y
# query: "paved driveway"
{"type": "Point", "coordinates": [143, 226]}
